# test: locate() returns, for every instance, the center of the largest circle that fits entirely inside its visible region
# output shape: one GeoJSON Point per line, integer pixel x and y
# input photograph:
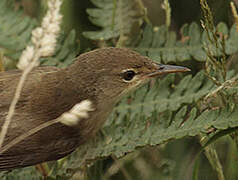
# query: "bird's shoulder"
{"type": "Point", "coordinates": [16, 73]}
{"type": "Point", "coordinates": [10, 79]}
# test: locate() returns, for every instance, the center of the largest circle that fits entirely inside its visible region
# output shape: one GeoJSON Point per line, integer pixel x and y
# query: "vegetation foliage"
{"type": "Point", "coordinates": [201, 103]}
{"type": "Point", "coordinates": [189, 46]}
{"type": "Point", "coordinates": [15, 35]}
{"type": "Point", "coordinates": [116, 18]}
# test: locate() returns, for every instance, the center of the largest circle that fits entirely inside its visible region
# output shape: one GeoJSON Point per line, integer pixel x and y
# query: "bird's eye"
{"type": "Point", "coordinates": [128, 75]}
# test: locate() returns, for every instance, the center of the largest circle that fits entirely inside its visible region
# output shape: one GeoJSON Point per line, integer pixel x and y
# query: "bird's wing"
{"type": "Point", "coordinates": [15, 159]}
{"type": "Point", "coordinates": [46, 145]}
{"type": "Point", "coordinates": [10, 79]}
{"type": "Point", "coordinates": [8, 162]}
{"type": "Point", "coordinates": [19, 160]}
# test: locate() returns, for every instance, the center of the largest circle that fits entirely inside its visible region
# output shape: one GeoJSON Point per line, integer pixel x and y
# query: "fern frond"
{"type": "Point", "coordinates": [128, 136]}
{"type": "Point", "coordinates": [155, 116]}
{"type": "Point", "coordinates": [66, 51]}
{"type": "Point", "coordinates": [116, 18]}
{"type": "Point", "coordinates": [164, 46]}
{"type": "Point", "coordinates": [17, 174]}
{"type": "Point", "coordinates": [15, 35]}
{"type": "Point", "coordinates": [15, 30]}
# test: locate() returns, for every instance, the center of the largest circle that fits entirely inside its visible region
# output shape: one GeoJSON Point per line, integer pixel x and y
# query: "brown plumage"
{"type": "Point", "coordinates": [102, 76]}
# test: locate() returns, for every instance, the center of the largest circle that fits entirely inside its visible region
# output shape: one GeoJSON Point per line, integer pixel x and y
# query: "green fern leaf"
{"type": "Point", "coordinates": [115, 18]}
{"type": "Point", "coordinates": [26, 173]}
{"type": "Point", "coordinates": [15, 35]}
{"type": "Point", "coordinates": [15, 30]}
{"type": "Point", "coordinates": [150, 118]}
{"type": "Point", "coordinates": [65, 53]}
{"type": "Point", "coordinates": [127, 136]}
{"type": "Point", "coordinates": [163, 45]}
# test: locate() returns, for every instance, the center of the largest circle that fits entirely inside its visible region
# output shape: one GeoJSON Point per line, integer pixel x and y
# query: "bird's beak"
{"type": "Point", "coordinates": [165, 69]}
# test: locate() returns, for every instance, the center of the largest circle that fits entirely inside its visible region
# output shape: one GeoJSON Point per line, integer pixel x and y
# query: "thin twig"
{"type": "Point", "coordinates": [43, 169]}
{"type": "Point", "coordinates": [70, 118]}
{"type": "Point", "coordinates": [1, 62]}
{"type": "Point", "coordinates": [44, 40]}
{"type": "Point", "coordinates": [121, 167]}
{"type": "Point", "coordinates": [15, 100]}
{"type": "Point", "coordinates": [166, 6]}
{"type": "Point", "coordinates": [27, 134]}
{"type": "Point", "coordinates": [212, 156]}
{"type": "Point", "coordinates": [235, 15]}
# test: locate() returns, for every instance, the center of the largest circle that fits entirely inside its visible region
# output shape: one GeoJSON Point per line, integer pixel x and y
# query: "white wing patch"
{"type": "Point", "coordinates": [78, 112]}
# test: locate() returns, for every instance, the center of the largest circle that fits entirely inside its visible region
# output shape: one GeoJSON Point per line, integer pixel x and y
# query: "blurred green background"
{"type": "Point", "coordinates": [176, 159]}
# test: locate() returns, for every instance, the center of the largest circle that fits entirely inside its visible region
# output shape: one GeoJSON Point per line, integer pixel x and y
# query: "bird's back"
{"type": "Point", "coordinates": [43, 146]}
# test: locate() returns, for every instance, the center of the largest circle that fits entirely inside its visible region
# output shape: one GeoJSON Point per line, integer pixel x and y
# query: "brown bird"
{"type": "Point", "coordinates": [102, 76]}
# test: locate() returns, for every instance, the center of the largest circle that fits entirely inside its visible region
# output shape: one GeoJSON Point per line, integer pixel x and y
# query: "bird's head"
{"type": "Point", "coordinates": [103, 76]}
{"type": "Point", "coordinates": [112, 72]}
